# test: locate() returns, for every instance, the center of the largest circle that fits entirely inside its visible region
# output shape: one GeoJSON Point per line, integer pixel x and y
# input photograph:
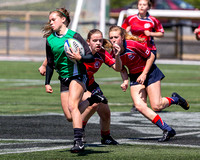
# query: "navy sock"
{"type": "Point", "coordinates": [172, 100]}
{"type": "Point", "coordinates": [78, 134]}
{"type": "Point", "coordinates": [161, 124]}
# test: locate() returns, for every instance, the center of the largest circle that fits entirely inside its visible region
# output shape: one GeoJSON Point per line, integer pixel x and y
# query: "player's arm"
{"type": "Point", "coordinates": [49, 69]}
{"type": "Point", "coordinates": [116, 52]}
{"type": "Point", "coordinates": [149, 62]}
{"type": "Point", "coordinates": [42, 68]}
{"type": "Point", "coordinates": [124, 75]}
{"type": "Point", "coordinates": [158, 30]}
{"type": "Point", "coordinates": [154, 34]}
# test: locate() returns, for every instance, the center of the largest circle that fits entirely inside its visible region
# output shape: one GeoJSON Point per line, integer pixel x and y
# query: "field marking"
{"type": "Point", "coordinates": [32, 82]}
{"type": "Point", "coordinates": [121, 141]}
{"type": "Point", "coordinates": [41, 59]}
{"type": "Point", "coordinates": [114, 120]}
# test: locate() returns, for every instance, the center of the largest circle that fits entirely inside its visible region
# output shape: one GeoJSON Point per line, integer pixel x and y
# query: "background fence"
{"type": "Point", "coordinates": [20, 34]}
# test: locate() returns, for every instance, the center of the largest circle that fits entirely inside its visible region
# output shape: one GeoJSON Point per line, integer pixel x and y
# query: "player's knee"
{"type": "Point", "coordinates": [156, 107]}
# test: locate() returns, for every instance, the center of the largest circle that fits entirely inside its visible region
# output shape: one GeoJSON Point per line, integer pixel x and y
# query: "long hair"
{"type": "Point", "coordinates": [62, 12]}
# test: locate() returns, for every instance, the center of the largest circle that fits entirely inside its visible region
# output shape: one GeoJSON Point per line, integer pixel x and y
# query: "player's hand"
{"type": "Point", "coordinates": [147, 33]}
{"type": "Point", "coordinates": [48, 88]}
{"type": "Point", "coordinates": [141, 78]}
{"type": "Point", "coordinates": [74, 55]}
{"type": "Point", "coordinates": [42, 70]}
{"type": "Point", "coordinates": [197, 30]}
{"type": "Point", "coordinates": [116, 49]}
{"type": "Point", "coordinates": [124, 86]}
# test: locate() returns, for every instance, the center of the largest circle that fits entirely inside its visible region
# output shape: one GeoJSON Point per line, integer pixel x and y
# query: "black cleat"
{"type": "Point", "coordinates": [97, 98]}
{"type": "Point", "coordinates": [167, 135]}
{"type": "Point", "coordinates": [108, 140]}
{"type": "Point", "coordinates": [181, 101]}
{"type": "Point", "coordinates": [78, 147]}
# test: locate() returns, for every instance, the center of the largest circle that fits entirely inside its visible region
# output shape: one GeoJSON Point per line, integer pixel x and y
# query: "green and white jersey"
{"type": "Point", "coordinates": [57, 57]}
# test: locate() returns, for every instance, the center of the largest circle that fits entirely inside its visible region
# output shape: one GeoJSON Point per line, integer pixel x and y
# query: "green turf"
{"type": "Point", "coordinates": [22, 92]}
{"type": "Point", "coordinates": [121, 152]}
{"type": "Point", "coordinates": [22, 88]}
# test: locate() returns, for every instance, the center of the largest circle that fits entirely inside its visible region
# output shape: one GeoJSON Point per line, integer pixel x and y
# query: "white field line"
{"type": "Point", "coordinates": [121, 141]}
{"type": "Point", "coordinates": [41, 59]}
{"type": "Point", "coordinates": [29, 82]}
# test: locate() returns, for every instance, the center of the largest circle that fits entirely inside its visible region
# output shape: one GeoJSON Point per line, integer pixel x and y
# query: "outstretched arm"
{"type": "Point", "coordinates": [124, 76]}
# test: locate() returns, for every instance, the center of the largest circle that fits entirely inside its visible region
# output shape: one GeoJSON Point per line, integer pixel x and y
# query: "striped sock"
{"type": "Point", "coordinates": [172, 100]}
{"type": "Point", "coordinates": [160, 123]}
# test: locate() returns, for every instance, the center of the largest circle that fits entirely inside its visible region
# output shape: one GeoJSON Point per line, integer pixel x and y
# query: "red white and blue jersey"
{"type": "Point", "coordinates": [99, 58]}
{"type": "Point", "coordinates": [134, 56]}
{"type": "Point", "coordinates": [139, 25]}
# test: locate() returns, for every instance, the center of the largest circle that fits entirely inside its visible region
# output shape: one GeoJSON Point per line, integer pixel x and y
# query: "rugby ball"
{"type": "Point", "coordinates": [74, 44]}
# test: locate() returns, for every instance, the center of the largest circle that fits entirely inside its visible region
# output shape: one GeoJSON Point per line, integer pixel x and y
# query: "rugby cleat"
{"type": "Point", "coordinates": [181, 101]}
{"type": "Point", "coordinates": [167, 135]}
{"type": "Point", "coordinates": [97, 98]}
{"type": "Point", "coordinates": [78, 147]}
{"type": "Point", "coordinates": [108, 140]}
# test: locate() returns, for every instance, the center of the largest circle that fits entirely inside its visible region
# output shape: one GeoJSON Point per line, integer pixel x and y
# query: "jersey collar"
{"type": "Point", "coordinates": [147, 16]}
{"type": "Point", "coordinates": [60, 36]}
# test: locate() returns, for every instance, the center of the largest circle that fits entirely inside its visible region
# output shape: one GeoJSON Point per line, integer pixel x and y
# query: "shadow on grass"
{"type": "Point", "coordinates": [88, 151]}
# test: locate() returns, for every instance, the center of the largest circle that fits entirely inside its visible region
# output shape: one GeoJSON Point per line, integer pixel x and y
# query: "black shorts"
{"type": "Point", "coordinates": [94, 88]}
{"type": "Point", "coordinates": [153, 76]}
{"type": "Point", "coordinates": [64, 82]}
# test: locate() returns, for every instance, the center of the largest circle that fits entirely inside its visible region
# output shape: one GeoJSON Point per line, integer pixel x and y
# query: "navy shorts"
{"type": "Point", "coordinates": [153, 76]}
{"type": "Point", "coordinates": [64, 82]}
{"type": "Point", "coordinates": [94, 88]}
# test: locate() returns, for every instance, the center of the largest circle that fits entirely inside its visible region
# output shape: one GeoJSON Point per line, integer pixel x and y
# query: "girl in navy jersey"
{"type": "Point", "coordinates": [144, 25]}
{"type": "Point", "coordinates": [145, 80]}
{"type": "Point", "coordinates": [72, 76]}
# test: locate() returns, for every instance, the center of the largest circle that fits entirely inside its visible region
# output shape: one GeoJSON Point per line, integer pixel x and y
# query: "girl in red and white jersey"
{"type": "Point", "coordinates": [144, 25]}
{"type": "Point", "coordinates": [145, 80]}
{"type": "Point", "coordinates": [197, 33]}
{"type": "Point", "coordinates": [95, 42]}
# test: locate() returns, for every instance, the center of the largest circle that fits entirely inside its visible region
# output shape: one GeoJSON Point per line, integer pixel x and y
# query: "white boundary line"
{"type": "Point", "coordinates": [40, 59]}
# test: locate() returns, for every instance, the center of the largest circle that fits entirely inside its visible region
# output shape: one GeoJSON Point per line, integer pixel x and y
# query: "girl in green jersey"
{"type": "Point", "coordinates": [72, 75]}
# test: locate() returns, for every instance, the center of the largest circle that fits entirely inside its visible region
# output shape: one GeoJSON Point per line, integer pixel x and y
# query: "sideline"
{"type": "Point", "coordinates": [41, 58]}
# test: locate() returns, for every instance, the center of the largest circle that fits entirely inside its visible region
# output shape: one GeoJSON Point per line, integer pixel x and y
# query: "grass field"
{"type": "Point", "coordinates": [22, 92]}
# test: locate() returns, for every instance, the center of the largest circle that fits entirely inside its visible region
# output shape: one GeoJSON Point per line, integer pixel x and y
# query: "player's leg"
{"type": "Point", "coordinates": [76, 90]}
{"type": "Point", "coordinates": [158, 102]}
{"type": "Point", "coordinates": [139, 96]}
{"type": "Point", "coordinates": [104, 113]}
{"type": "Point", "coordinates": [64, 102]}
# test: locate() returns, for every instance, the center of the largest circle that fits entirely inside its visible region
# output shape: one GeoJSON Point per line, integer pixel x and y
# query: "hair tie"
{"type": "Point", "coordinates": [62, 13]}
